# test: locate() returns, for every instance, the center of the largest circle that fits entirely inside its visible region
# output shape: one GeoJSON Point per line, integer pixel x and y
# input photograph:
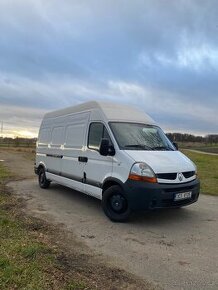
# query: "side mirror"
{"type": "Point", "coordinates": [105, 149]}
{"type": "Point", "coordinates": [176, 145]}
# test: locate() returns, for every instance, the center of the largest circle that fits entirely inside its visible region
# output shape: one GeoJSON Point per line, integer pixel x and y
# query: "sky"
{"type": "Point", "coordinates": [160, 56]}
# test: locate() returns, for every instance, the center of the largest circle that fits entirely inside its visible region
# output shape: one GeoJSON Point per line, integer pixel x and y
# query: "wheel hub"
{"type": "Point", "coordinates": [117, 202]}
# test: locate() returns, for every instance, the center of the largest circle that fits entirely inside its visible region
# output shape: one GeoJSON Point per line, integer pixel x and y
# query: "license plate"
{"type": "Point", "coordinates": [183, 195]}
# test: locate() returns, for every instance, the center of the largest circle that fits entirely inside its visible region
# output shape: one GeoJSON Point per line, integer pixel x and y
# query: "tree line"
{"type": "Point", "coordinates": [181, 137]}
{"type": "Point", "coordinates": [17, 142]}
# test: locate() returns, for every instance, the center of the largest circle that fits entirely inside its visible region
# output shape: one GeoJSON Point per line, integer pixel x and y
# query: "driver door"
{"type": "Point", "coordinates": [98, 167]}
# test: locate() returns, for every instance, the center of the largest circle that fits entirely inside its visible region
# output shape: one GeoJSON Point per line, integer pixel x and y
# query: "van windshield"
{"type": "Point", "coordinates": [134, 136]}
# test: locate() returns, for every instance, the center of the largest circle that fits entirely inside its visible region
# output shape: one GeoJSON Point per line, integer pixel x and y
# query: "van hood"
{"type": "Point", "coordinates": [163, 161]}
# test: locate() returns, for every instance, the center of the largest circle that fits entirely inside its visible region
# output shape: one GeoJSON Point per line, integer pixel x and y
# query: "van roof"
{"type": "Point", "coordinates": [112, 112]}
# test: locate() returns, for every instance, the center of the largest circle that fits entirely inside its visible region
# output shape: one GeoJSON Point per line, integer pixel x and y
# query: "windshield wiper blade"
{"type": "Point", "coordinates": [162, 148]}
{"type": "Point", "coordinates": [141, 146]}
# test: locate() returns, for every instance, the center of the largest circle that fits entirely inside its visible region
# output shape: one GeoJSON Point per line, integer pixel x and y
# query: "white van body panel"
{"type": "Point", "coordinates": [98, 168]}
{"type": "Point", "coordinates": [165, 161]}
{"type": "Point", "coordinates": [63, 138]}
{"type": "Point", "coordinates": [93, 191]}
{"type": "Point", "coordinates": [105, 111]}
{"type": "Point", "coordinates": [65, 181]}
{"type": "Point", "coordinates": [122, 164]}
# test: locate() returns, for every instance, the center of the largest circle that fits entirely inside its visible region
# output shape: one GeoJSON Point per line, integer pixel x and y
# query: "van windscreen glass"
{"type": "Point", "coordinates": [134, 136]}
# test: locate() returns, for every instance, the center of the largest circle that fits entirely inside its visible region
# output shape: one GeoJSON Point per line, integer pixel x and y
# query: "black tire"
{"type": "Point", "coordinates": [115, 205]}
{"type": "Point", "coordinates": [43, 181]}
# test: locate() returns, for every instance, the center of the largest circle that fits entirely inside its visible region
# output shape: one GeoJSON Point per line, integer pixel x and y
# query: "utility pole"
{"type": "Point", "coordinates": [2, 128]}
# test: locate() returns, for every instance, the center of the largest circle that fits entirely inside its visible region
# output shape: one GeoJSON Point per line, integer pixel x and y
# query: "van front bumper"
{"type": "Point", "coordinates": [145, 196]}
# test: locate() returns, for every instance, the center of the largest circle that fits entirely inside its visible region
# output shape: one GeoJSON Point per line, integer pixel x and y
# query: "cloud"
{"type": "Point", "coordinates": [161, 55]}
{"type": "Point", "coordinates": [166, 108]}
{"type": "Point", "coordinates": [38, 97]}
{"type": "Point", "coordinates": [19, 121]}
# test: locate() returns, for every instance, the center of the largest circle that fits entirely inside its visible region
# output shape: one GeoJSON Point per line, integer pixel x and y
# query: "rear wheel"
{"type": "Point", "coordinates": [115, 205]}
{"type": "Point", "coordinates": [43, 181]}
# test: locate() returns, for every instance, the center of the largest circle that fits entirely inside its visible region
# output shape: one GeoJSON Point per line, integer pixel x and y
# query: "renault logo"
{"type": "Point", "coordinates": [180, 176]}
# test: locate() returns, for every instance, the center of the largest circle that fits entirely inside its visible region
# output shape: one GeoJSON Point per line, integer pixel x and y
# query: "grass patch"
{"type": "Point", "coordinates": [76, 286]}
{"type": "Point", "coordinates": [26, 262]}
{"type": "Point", "coordinates": [4, 174]}
{"type": "Point", "coordinates": [207, 171]}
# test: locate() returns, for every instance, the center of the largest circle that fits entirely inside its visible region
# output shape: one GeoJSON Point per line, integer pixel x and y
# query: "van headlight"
{"type": "Point", "coordinates": [142, 172]}
{"type": "Point", "coordinates": [196, 170]}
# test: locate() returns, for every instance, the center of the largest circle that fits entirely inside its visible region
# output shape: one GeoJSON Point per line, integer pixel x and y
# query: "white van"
{"type": "Point", "coordinates": [117, 154]}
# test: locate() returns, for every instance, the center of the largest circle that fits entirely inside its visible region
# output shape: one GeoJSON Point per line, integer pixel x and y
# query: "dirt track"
{"type": "Point", "coordinates": [202, 152]}
{"type": "Point", "coordinates": [177, 249]}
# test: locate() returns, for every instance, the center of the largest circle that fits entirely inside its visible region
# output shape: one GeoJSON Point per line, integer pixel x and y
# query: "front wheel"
{"type": "Point", "coordinates": [115, 205]}
{"type": "Point", "coordinates": [43, 181]}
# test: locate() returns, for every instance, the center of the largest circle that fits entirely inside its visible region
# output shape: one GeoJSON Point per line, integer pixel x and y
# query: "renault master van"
{"type": "Point", "coordinates": [117, 154]}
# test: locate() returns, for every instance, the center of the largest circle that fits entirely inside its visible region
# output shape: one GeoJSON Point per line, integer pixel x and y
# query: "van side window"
{"type": "Point", "coordinates": [97, 131]}
{"type": "Point", "coordinates": [74, 136]}
{"type": "Point", "coordinates": [44, 136]}
{"type": "Point", "coordinates": [57, 136]}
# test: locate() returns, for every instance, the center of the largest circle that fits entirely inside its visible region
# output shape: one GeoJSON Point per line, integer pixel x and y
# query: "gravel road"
{"type": "Point", "coordinates": [176, 249]}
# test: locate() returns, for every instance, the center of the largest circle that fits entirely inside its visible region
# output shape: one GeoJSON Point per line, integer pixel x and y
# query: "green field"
{"type": "Point", "coordinates": [207, 171]}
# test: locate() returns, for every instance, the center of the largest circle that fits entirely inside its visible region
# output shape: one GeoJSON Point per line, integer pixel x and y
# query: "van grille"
{"type": "Point", "coordinates": [172, 176]}
{"type": "Point", "coordinates": [188, 174]}
{"type": "Point", "coordinates": [169, 176]}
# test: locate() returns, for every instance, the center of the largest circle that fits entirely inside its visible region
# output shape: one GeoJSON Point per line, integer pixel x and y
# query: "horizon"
{"type": "Point", "coordinates": [28, 135]}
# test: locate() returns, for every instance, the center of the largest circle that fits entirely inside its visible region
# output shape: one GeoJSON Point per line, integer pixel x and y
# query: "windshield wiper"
{"type": "Point", "coordinates": [140, 146]}
{"type": "Point", "coordinates": [163, 148]}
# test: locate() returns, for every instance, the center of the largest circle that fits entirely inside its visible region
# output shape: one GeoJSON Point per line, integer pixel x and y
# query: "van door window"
{"type": "Point", "coordinates": [97, 131]}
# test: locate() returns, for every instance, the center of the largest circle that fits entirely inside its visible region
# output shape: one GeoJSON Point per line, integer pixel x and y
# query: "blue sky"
{"type": "Point", "coordinates": [159, 55]}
